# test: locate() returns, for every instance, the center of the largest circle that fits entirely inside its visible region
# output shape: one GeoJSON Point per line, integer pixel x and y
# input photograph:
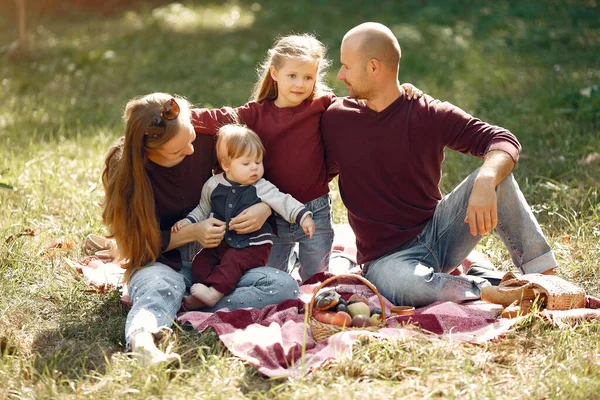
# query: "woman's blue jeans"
{"type": "Point", "coordinates": [417, 273]}
{"type": "Point", "coordinates": [156, 292]}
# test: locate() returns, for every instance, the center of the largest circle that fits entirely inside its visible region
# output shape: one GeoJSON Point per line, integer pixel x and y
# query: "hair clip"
{"type": "Point", "coordinates": [170, 110]}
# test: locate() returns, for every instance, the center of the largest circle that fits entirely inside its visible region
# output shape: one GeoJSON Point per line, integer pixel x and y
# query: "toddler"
{"type": "Point", "coordinates": [216, 271]}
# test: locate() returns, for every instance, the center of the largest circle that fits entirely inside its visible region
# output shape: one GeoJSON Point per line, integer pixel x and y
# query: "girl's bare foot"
{"type": "Point", "coordinates": [145, 351]}
{"type": "Point", "coordinates": [207, 295]}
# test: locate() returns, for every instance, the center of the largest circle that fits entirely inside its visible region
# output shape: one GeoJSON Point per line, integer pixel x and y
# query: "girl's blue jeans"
{"type": "Point", "coordinates": [313, 253]}
{"type": "Point", "coordinates": [417, 273]}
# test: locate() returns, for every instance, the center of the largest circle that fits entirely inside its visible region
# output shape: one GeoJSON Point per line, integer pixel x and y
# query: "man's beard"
{"type": "Point", "coordinates": [358, 95]}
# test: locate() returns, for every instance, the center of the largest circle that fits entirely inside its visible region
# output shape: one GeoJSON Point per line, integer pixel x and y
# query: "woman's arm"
{"type": "Point", "coordinates": [209, 233]}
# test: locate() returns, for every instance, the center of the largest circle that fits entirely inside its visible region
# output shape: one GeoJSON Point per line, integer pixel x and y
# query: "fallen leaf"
{"type": "Point", "coordinates": [24, 232]}
{"type": "Point", "coordinates": [57, 246]}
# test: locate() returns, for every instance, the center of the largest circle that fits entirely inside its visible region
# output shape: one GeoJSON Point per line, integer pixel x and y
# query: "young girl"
{"type": "Point", "coordinates": [289, 99]}
{"type": "Point", "coordinates": [216, 271]}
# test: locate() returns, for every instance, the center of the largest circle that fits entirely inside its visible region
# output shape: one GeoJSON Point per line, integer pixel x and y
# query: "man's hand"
{"type": "Point", "coordinates": [482, 211]}
{"type": "Point", "coordinates": [251, 219]}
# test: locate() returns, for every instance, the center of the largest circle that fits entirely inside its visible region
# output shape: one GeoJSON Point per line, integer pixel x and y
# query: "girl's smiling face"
{"type": "Point", "coordinates": [295, 81]}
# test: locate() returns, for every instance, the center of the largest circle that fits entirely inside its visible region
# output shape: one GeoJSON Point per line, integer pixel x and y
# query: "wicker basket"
{"type": "Point", "coordinates": [321, 331]}
{"type": "Point", "coordinates": [556, 293]}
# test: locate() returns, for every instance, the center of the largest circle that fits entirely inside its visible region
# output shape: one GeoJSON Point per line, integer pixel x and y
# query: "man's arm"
{"type": "Point", "coordinates": [482, 211]}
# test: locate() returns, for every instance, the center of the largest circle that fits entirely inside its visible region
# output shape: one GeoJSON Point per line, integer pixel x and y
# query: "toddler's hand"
{"type": "Point", "coordinates": [412, 92]}
{"type": "Point", "coordinates": [180, 224]}
{"type": "Point", "coordinates": [308, 225]}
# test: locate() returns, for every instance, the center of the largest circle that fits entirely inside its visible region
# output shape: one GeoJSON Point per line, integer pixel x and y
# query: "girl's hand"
{"type": "Point", "coordinates": [308, 226]}
{"type": "Point", "coordinates": [412, 92]}
{"type": "Point", "coordinates": [251, 219]}
{"type": "Point", "coordinates": [209, 232]}
{"type": "Point", "coordinates": [180, 224]}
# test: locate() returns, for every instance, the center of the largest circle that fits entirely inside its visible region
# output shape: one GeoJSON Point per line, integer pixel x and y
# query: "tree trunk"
{"type": "Point", "coordinates": [21, 16]}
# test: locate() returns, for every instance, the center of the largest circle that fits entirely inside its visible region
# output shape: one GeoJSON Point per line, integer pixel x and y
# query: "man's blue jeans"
{"type": "Point", "coordinates": [417, 273]}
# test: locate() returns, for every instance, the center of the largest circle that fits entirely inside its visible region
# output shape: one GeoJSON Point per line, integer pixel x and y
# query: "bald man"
{"type": "Point", "coordinates": [388, 152]}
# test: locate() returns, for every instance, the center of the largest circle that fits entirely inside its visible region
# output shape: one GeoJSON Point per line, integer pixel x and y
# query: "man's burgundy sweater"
{"type": "Point", "coordinates": [389, 163]}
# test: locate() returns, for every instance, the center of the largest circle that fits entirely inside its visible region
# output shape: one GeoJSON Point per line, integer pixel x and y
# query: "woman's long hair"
{"type": "Point", "coordinates": [129, 211]}
{"type": "Point", "coordinates": [297, 47]}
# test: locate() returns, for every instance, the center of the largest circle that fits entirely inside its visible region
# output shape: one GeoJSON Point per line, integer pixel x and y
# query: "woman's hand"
{"type": "Point", "coordinates": [209, 232]}
{"type": "Point", "coordinates": [251, 219]}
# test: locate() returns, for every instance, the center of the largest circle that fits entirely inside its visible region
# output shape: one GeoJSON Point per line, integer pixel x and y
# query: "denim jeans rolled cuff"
{"type": "Point", "coordinates": [520, 231]}
{"type": "Point", "coordinates": [313, 253]}
{"type": "Point", "coordinates": [540, 264]}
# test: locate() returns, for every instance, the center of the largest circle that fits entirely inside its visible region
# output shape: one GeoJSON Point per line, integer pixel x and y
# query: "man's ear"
{"type": "Point", "coordinates": [374, 66]}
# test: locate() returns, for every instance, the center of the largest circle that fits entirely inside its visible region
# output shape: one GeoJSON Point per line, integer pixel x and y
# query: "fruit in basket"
{"type": "Point", "coordinates": [326, 300]}
{"type": "Point", "coordinates": [376, 315]}
{"type": "Point", "coordinates": [361, 321]}
{"type": "Point", "coordinates": [359, 308]}
{"type": "Point", "coordinates": [341, 318]}
{"type": "Point", "coordinates": [342, 307]}
{"type": "Point", "coordinates": [375, 319]}
{"type": "Point", "coordinates": [358, 297]}
{"type": "Point", "coordinates": [324, 316]}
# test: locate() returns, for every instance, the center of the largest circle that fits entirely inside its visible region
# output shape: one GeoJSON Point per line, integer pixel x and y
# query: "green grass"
{"type": "Point", "coordinates": [532, 67]}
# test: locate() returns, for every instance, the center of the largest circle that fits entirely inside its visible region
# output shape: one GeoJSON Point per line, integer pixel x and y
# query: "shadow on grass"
{"type": "Point", "coordinates": [84, 340]}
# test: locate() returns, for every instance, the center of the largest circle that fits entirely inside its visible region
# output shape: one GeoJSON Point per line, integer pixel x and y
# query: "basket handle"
{"type": "Point", "coordinates": [351, 276]}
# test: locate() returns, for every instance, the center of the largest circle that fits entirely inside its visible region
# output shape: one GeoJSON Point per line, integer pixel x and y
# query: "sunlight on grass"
{"type": "Point", "coordinates": [531, 67]}
{"type": "Point", "coordinates": [180, 18]}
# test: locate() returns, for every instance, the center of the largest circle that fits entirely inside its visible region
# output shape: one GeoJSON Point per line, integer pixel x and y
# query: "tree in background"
{"type": "Point", "coordinates": [22, 44]}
